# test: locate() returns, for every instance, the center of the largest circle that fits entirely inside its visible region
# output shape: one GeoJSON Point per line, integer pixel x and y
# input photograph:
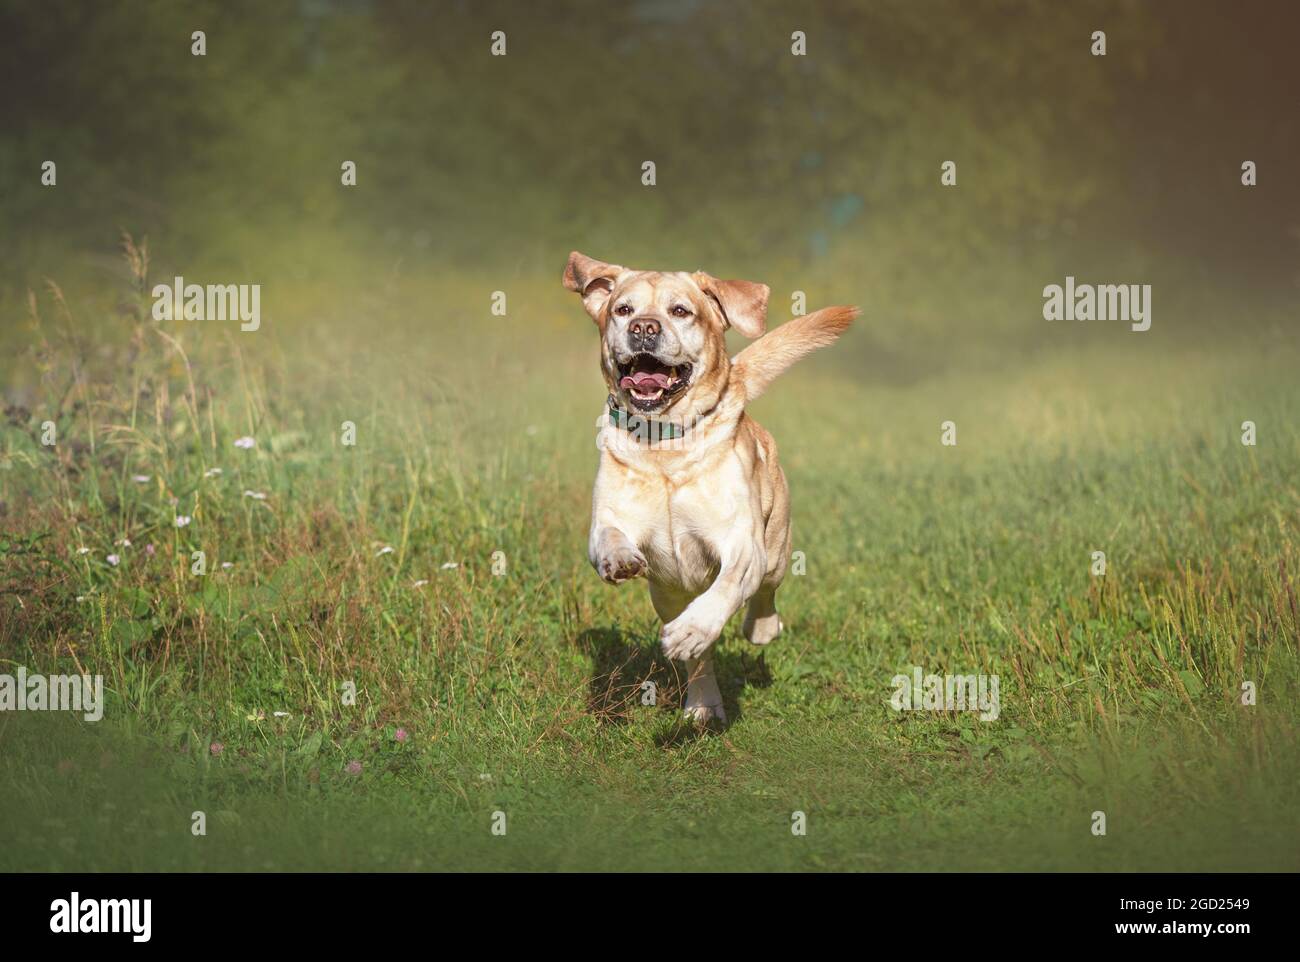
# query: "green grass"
{"type": "Point", "coordinates": [520, 691]}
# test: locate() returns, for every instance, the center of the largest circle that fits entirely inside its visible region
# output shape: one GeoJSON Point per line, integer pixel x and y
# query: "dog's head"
{"type": "Point", "coordinates": [662, 334]}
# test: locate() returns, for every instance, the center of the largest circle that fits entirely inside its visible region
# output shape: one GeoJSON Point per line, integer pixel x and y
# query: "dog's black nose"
{"type": "Point", "coordinates": [642, 332]}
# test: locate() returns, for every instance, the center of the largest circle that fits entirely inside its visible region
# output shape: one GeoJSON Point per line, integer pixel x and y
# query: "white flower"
{"type": "Point", "coordinates": [245, 442]}
{"type": "Point", "coordinates": [114, 560]}
{"type": "Point", "coordinates": [182, 520]}
{"type": "Point", "coordinates": [421, 583]}
{"type": "Point", "coordinates": [141, 478]}
{"type": "Point", "coordinates": [449, 565]}
{"type": "Point", "coordinates": [484, 777]}
{"type": "Point", "coordinates": [124, 543]}
{"type": "Point", "coordinates": [255, 495]}
{"type": "Point", "coordinates": [281, 714]}
{"type": "Point", "coordinates": [386, 549]}
{"type": "Point", "coordinates": [212, 473]}
{"type": "Point", "coordinates": [227, 565]}
{"type": "Point", "coordinates": [83, 551]}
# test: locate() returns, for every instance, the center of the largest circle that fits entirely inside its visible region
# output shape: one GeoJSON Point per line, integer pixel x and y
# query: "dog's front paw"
{"type": "Point", "coordinates": [701, 714]}
{"type": "Point", "coordinates": [684, 638]}
{"type": "Point", "coordinates": [621, 564]}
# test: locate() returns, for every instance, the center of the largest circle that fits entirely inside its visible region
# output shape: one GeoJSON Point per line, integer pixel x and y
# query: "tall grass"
{"type": "Point", "coordinates": [523, 688]}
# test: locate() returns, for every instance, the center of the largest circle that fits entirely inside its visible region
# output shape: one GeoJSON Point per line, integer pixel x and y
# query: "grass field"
{"type": "Point", "coordinates": [495, 672]}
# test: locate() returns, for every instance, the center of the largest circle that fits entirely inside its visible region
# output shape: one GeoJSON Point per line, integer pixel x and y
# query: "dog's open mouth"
{"type": "Point", "coordinates": [649, 382]}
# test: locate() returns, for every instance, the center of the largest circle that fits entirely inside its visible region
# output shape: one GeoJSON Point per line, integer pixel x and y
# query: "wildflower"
{"type": "Point", "coordinates": [281, 714]}
{"type": "Point", "coordinates": [245, 442]}
{"type": "Point", "coordinates": [227, 565]}
{"type": "Point", "coordinates": [83, 551]}
{"type": "Point", "coordinates": [216, 748]}
{"type": "Point", "coordinates": [353, 767]}
{"type": "Point", "coordinates": [148, 549]}
{"type": "Point", "coordinates": [450, 565]}
{"type": "Point", "coordinates": [114, 560]}
{"type": "Point", "coordinates": [124, 543]}
{"type": "Point", "coordinates": [182, 520]}
{"type": "Point", "coordinates": [141, 478]}
{"type": "Point", "coordinates": [212, 473]}
{"type": "Point", "coordinates": [386, 549]}
{"type": "Point", "coordinates": [400, 735]}
{"type": "Point", "coordinates": [255, 495]}
{"type": "Point", "coordinates": [420, 583]}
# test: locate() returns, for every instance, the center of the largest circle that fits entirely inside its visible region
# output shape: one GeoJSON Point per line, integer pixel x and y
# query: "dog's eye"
{"type": "Point", "coordinates": [623, 310]}
{"type": "Point", "coordinates": [679, 311]}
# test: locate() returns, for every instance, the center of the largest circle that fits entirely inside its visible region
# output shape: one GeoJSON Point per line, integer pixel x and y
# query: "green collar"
{"type": "Point", "coordinates": [644, 428]}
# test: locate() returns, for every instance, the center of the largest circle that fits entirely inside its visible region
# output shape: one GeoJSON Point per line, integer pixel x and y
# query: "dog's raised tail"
{"type": "Point", "coordinates": [758, 365]}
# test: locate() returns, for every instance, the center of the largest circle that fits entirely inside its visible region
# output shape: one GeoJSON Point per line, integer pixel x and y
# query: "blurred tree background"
{"type": "Point", "coordinates": [818, 172]}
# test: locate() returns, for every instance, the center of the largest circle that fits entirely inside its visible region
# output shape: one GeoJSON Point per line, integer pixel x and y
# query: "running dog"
{"type": "Point", "coordinates": [689, 492]}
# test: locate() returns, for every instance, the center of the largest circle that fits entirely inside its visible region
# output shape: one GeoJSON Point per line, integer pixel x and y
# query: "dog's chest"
{"type": "Point", "coordinates": [681, 545]}
{"type": "Point", "coordinates": [678, 513]}
{"type": "Point", "coordinates": [682, 561]}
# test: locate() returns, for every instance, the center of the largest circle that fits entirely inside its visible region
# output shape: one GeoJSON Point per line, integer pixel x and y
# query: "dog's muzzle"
{"type": "Point", "coordinates": [643, 335]}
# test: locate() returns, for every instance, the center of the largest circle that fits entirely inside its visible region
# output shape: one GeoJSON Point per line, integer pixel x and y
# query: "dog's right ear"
{"type": "Point", "coordinates": [592, 280]}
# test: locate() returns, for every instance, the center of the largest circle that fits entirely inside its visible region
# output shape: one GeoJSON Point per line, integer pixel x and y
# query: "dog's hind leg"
{"type": "Point", "coordinates": [762, 623]}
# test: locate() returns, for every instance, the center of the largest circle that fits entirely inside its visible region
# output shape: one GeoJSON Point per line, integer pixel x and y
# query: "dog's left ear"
{"type": "Point", "coordinates": [743, 304]}
{"type": "Point", "coordinates": [592, 280]}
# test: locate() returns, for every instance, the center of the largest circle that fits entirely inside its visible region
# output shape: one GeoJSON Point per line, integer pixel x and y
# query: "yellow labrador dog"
{"type": "Point", "coordinates": [689, 492]}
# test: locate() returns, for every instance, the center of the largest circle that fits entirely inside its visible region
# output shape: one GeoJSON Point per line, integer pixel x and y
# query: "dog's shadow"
{"type": "Point", "coordinates": [629, 675]}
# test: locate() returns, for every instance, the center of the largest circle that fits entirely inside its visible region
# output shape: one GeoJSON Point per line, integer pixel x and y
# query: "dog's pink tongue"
{"type": "Point", "coordinates": [645, 381]}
